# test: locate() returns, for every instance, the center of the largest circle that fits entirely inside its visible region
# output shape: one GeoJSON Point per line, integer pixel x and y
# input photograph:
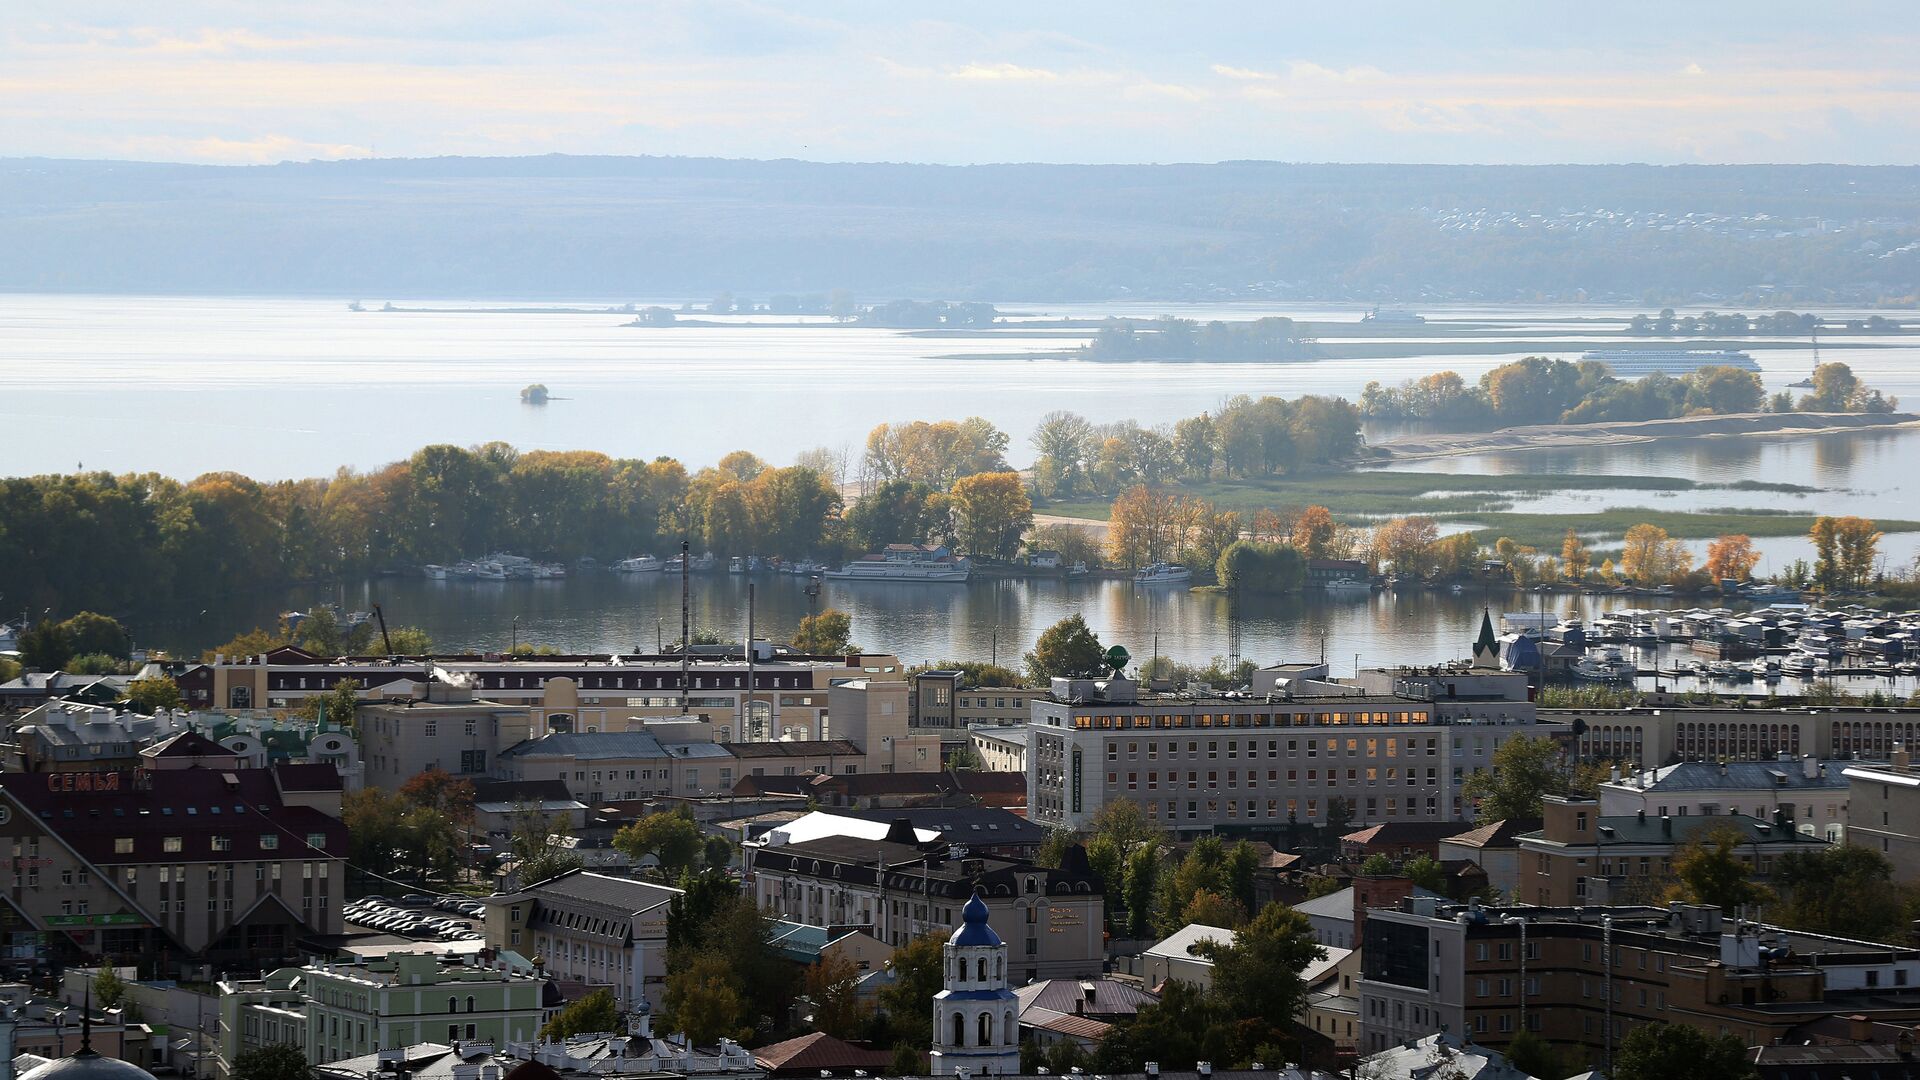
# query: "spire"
{"type": "Point", "coordinates": [1486, 650]}
{"type": "Point", "coordinates": [86, 1024]}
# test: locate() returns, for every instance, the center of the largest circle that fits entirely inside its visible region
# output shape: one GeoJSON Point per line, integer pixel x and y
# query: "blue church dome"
{"type": "Point", "coordinates": [974, 929]}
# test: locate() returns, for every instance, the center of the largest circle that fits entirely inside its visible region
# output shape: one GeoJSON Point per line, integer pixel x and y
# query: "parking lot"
{"type": "Point", "coordinates": [417, 916]}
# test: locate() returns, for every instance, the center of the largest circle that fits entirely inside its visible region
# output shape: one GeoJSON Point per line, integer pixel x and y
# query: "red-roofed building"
{"type": "Point", "coordinates": [819, 1054]}
{"type": "Point", "coordinates": [158, 866]}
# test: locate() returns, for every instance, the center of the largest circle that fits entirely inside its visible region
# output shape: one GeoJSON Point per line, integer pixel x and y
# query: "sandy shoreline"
{"type": "Point", "coordinates": [1561, 436]}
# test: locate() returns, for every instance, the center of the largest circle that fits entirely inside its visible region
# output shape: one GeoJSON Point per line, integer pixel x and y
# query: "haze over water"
{"type": "Point", "coordinates": [279, 388]}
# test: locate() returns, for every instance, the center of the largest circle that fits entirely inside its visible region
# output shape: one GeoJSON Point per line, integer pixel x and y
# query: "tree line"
{"type": "Point", "coordinates": [1245, 438]}
{"type": "Point", "coordinates": [1536, 390]}
{"type": "Point", "coordinates": [1168, 338]}
{"type": "Point", "coordinates": [1735, 324]}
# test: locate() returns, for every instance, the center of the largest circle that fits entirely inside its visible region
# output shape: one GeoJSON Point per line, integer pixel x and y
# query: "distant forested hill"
{"type": "Point", "coordinates": [656, 227]}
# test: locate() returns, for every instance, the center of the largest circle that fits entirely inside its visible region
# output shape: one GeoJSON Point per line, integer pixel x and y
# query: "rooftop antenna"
{"type": "Point", "coordinates": [686, 620]}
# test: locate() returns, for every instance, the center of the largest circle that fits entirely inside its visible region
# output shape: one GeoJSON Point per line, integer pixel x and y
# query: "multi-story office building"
{"type": "Point", "coordinates": [1284, 751]}
{"type": "Point", "coordinates": [590, 928]}
{"type": "Point", "coordinates": [229, 867]}
{"type": "Point", "coordinates": [1581, 857]}
{"type": "Point", "coordinates": [903, 888]}
{"type": "Point", "coordinates": [1583, 977]}
{"type": "Point", "coordinates": [408, 998]}
{"type": "Point", "coordinates": [1001, 749]}
{"type": "Point", "coordinates": [1811, 792]}
{"type": "Point", "coordinates": [268, 1011]}
{"type": "Point", "coordinates": [942, 700]}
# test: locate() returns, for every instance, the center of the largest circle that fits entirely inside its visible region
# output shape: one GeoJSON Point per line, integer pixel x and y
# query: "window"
{"type": "Point", "coordinates": [223, 843]}
{"type": "Point", "coordinates": [123, 845]}
{"type": "Point", "coordinates": [170, 843]}
{"type": "Point", "coordinates": [269, 841]}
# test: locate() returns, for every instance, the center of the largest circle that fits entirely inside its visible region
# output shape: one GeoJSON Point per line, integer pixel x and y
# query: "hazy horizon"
{"type": "Point", "coordinates": [221, 82]}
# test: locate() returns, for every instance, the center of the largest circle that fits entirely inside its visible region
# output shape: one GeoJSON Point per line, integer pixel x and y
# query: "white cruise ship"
{"type": "Point", "coordinates": [1635, 363]}
{"type": "Point", "coordinates": [904, 562]}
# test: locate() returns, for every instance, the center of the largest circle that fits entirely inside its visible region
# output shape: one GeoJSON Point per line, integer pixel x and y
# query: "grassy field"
{"type": "Point", "coordinates": [1356, 497]}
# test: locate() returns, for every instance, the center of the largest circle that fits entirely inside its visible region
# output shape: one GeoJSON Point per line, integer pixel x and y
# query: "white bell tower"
{"type": "Point", "coordinates": [976, 1019]}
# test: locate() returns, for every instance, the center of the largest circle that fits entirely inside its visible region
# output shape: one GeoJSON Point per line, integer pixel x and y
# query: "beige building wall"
{"type": "Point", "coordinates": [1883, 814]}
{"type": "Point", "coordinates": [401, 740]}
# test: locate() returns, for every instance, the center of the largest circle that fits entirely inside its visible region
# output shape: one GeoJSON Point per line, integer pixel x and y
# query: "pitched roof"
{"type": "Point", "coordinates": [1495, 834]}
{"type": "Point", "coordinates": [240, 807]}
{"type": "Point", "coordinates": [1111, 997]}
{"type": "Point", "coordinates": [1403, 832]}
{"type": "Point", "coordinates": [1179, 944]}
{"type": "Point", "coordinates": [1636, 829]}
{"type": "Point", "coordinates": [794, 748]}
{"type": "Point", "coordinates": [819, 1050]}
{"type": "Point", "coordinates": [187, 744]}
{"type": "Point", "coordinates": [621, 894]}
{"type": "Point", "coordinates": [1339, 905]}
{"type": "Point", "coordinates": [589, 745]}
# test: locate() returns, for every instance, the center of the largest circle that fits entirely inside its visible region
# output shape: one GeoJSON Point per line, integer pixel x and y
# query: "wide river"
{"type": "Point", "coordinates": [277, 387]}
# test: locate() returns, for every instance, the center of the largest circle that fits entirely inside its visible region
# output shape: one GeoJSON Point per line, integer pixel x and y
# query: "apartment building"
{"type": "Point", "coordinates": [1001, 749]}
{"type": "Point", "coordinates": [408, 998]}
{"type": "Point", "coordinates": [1583, 977]}
{"type": "Point", "coordinates": [1249, 762]}
{"type": "Point", "coordinates": [590, 928]}
{"type": "Point", "coordinates": [1581, 857]}
{"type": "Point", "coordinates": [1650, 737]}
{"type": "Point", "coordinates": [187, 864]}
{"type": "Point", "coordinates": [1810, 791]}
{"type": "Point", "coordinates": [903, 887]}
{"type": "Point", "coordinates": [267, 1011]}
{"type": "Point", "coordinates": [1883, 811]}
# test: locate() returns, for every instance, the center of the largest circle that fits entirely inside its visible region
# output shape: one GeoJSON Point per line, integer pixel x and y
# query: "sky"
{"type": "Point", "coordinates": [251, 81]}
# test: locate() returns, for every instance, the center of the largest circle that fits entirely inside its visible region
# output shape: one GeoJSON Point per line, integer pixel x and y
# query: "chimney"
{"type": "Point", "coordinates": [1859, 1029]}
{"type": "Point", "coordinates": [1809, 767]}
{"type": "Point", "coordinates": [1901, 759]}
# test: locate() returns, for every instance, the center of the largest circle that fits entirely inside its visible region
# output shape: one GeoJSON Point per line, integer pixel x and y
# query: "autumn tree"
{"type": "Point", "coordinates": [1313, 532]}
{"type": "Point", "coordinates": [1211, 909]}
{"type": "Point", "coordinates": [437, 789]}
{"type": "Point", "coordinates": [1844, 551]}
{"type": "Point", "coordinates": [1650, 556]}
{"type": "Point", "coordinates": [1574, 557]}
{"type": "Point", "coordinates": [833, 986]}
{"type": "Point", "coordinates": [826, 633]}
{"type": "Point", "coordinates": [1407, 543]}
{"type": "Point", "coordinates": [991, 511]}
{"type": "Point", "coordinates": [1142, 526]}
{"type": "Point", "coordinates": [1731, 558]}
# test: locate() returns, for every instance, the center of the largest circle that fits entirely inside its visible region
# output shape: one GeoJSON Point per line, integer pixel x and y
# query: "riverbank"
{"type": "Point", "coordinates": [1563, 436]}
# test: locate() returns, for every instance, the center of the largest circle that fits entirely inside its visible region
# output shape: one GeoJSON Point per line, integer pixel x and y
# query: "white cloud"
{"type": "Point", "coordinates": [263, 149]}
{"type": "Point", "coordinates": [1693, 69]}
{"type": "Point", "coordinates": [1174, 91]}
{"type": "Point", "coordinates": [1004, 71]}
{"type": "Point", "coordinates": [1226, 71]}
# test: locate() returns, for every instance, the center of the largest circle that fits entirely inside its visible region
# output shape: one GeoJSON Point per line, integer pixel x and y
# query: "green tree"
{"type": "Point", "coordinates": [828, 633]}
{"type": "Point", "coordinates": [671, 837]}
{"type": "Point", "coordinates": [908, 1060]}
{"type": "Point", "coordinates": [1681, 1052]}
{"type": "Point", "coordinates": [1258, 974]}
{"type": "Point", "coordinates": [108, 987]}
{"type": "Point", "coordinates": [594, 1013]}
{"type": "Point", "coordinates": [93, 664]}
{"type": "Point", "coordinates": [978, 673]}
{"type": "Point", "coordinates": [1249, 567]}
{"type": "Point", "coordinates": [1843, 890]}
{"type": "Point", "coordinates": [338, 706]}
{"type": "Point", "coordinates": [44, 646]}
{"type": "Point", "coordinates": [280, 1061]}
{"type": "Point", "coordinates": [1709, 870]}
{"type": "Point", "coordinates": [536, 842]}
{"type": "Point", "coordinates": [917, 969]}
{"type": "Point", "coordinates": [9, 669]}
{"type": "Point", "coordinates": [965, 759]}
{"type": "Point", "coordinates": [1535, 1057]}
{"type": "Point", "coordinates": [702, 1000]}
{"type": "Point", "coordinates": [152, 694]}
{"type": "Point", "coordinates": [1835, 389]}
{"type": "Point", "coordinates": [92, 632]}
{"type": "Point", "coordinates": [410, 641]}
{"type": "Point", "coordinates": [1066, 649]}
{"type": "Point", "coordinates": [1379, 864]}
{"type": "Point", "coordinates": [1142, 875]}
{"type": "Point", "coordinates": [1524, 771]}
{"type": "Point", "coordinates": [895, 512]}
{"type": "Point", "coordinates": [1425, 872]}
